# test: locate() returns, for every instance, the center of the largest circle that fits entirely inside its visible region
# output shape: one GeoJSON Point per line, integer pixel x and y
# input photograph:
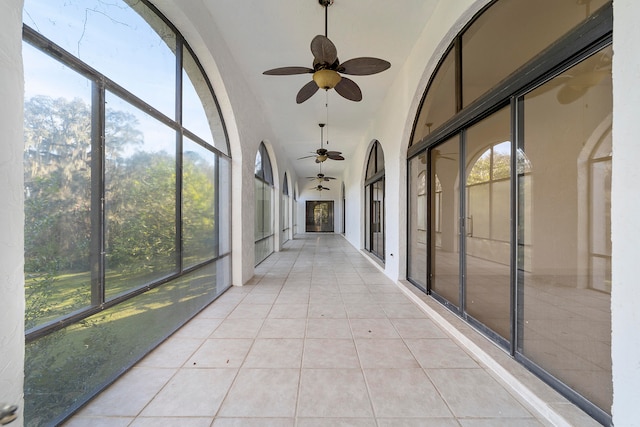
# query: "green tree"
{"type": "Point", "coordinates": [490, 166]}
{"type": "Point", "coordinates": [57, 184]}
{"type": "Point", "coordinates": [198, 207]}
{"type": "Point", "coordinates": [141, 212]}
{"type": "Point", "coordinates": [57, 176]}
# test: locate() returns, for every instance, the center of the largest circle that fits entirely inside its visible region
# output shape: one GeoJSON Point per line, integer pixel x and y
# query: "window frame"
{"type": "Point", "coordinates": [100, 84]}
{"type": "Point", "coordinates": [264, 175]}
{"type": "Point", "coordinates": [375, 175]}
{"type": "Point", "coordinates": [286, 200]}
{"type": "Point", "coordinates": [587, 38]}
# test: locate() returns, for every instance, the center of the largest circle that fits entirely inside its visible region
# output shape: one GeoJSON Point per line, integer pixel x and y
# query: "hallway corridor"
{"type": "Point", "coordinates": [319, 337]}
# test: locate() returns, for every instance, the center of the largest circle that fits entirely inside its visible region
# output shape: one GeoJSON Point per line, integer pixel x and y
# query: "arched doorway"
{"type": "Point", "coordinates": [374, 202]}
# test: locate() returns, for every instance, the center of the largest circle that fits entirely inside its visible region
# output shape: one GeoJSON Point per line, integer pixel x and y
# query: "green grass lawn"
{"type": "Point", "coordinates": [51, 297]}
{"type": "Point", "coordinates": [65, 368]}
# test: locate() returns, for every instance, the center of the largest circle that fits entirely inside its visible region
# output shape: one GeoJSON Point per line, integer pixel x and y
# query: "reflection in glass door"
{"type": "Point", "coordinates": [377, 218]}
{"type": "Point", "coordinates": [417, 236]}
{"type": "Point", "coordinates": [518, 203]}
{"type": "Point", "coordinates": [487, 225]}
{"type": "Point", "coordinates": [564, 214]}
{"type": "Point", "coordinates": [444, 214]}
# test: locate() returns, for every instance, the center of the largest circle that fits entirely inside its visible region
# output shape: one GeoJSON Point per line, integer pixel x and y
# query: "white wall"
{"type": "Point", "coordinates": [11, 207]}
{"type": "Point", "coordinates": [625, 205]}
{"type": "Point", "coordinates": [392, 126]}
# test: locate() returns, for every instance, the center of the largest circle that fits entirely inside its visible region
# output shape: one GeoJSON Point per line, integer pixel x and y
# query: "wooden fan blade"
{"type": "Point", "coordinates": [306, 157]}
{"type": "Point", "coordinates": [348, 89]}
{"type": "Point", "coordinates": [306, 92]}
{"type": "Point", "coordinates": [335, 155]}
{"type": "Point", "coordinates": [363, 66]}
{"type": "Point", "coordinates": [288, 71]}
{"type": "Point", "coordinates": [324, 51]}
{"type": "Point", "coordinates": [325, 188]}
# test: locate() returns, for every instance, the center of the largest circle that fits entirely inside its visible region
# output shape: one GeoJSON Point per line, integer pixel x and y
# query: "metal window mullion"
{"type": "Point", "coordinates": [513, 226]}
{"type": "Point", "coordinates": [430, 216]}
{"type": "Point", "coordinates": [97, 212]}
{"type": "Point", "coordinates": [410, 258]}
{"type": "Point", "coordinates": [374, 178]}
{"type": "Point", "coordinates": [263, 231]}
{"type": "Point", "coordinates": [179, 244]}
{"type": "Point", "coordinates": [457, 46]}
{"type": "Point", "coordinates": [263, 221]}
{"type": "Point", "coordinates": [367, 217]}
{"type": "Point", "coordinates": [269, 223]}
{"type": "Point", "coordinates": [372, 217]}
{"type": "Point", "coordinates": [216, 206]}
{"type": "Point", "coordinates": [517, 284]}
{"type": "Point", "coordinates": [463, 228]}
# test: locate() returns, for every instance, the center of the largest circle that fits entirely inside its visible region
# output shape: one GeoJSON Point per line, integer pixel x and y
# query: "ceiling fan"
{"type": "Point", "coordinates": [321, 177]}
{"type": "Point", "coordinates": [319, 187]}
{"type": "Point", "coordinates": [576, 85]}
{"type": "Point", "coordinates": [322, 154]}
{"type": "Point", "coordinates": [327, 68]}
{"type": "Point", "coordinates": [572, 84]}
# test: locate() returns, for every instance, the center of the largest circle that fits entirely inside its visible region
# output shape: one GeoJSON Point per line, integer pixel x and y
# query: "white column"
{"type": "Point", "coordinates": [625, 218]}
{"type": "Point", "coordinates": [11, 207]}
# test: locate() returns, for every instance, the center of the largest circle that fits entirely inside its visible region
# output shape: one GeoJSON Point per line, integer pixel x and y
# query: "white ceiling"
{"type": "Point", "coordinates": [268, 34]}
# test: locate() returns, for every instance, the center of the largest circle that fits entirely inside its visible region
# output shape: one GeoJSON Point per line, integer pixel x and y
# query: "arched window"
{"type": "Point", "coordinates": [374, 202]}
{"type": "Point", "coordinates": [294, 209]}
{"type": "Point", "coordinates": [487, 183]}
{"type": "Point", "coordinates": [344, 208]}
{"type": "Point", "coordinates": [127, 194]}
{"type": "Point", "coordinates": [599, 208]}
{"type": "Point", "coordinates": [517, 210]}
{"type": "Point", "coordinates": [286, 209]}
{"type": "Point", "coordinates": [264, 226]}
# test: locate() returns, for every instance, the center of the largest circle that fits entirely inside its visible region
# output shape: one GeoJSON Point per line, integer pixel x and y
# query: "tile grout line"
{"type": "Point", "coordinates": [519, 389]}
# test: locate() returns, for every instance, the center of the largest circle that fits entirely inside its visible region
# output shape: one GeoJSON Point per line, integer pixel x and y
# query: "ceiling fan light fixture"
{"type": "Point", "coordinates": [321, 158]}
{"type": "Point", "coordinates": [326, 79]}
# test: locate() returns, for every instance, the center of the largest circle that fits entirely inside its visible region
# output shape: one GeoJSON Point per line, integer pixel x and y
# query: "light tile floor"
{"type": "Point", "coordinates": [319, 337]}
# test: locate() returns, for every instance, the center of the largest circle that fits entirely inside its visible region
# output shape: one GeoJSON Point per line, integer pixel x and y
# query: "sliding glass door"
{"type": "Point", "coordinates": [565, 263]}
{"type": "Point", "coordinates": [487, 222]}
{"type": "Point", "coordinates": [444, 219]}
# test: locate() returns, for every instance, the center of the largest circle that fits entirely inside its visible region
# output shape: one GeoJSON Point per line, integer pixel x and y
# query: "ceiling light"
{"type": "Point", "coordinates": [326, 79]}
